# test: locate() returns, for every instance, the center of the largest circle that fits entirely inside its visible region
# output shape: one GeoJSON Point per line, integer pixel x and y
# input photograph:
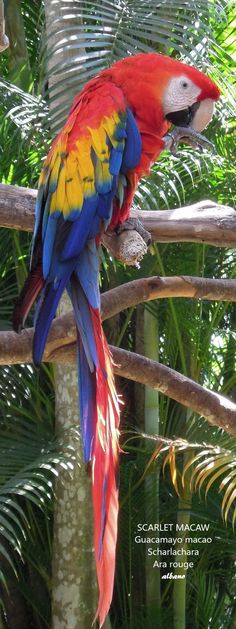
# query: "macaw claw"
{"type": "Point", "coordinates": [187, 135]}
{"type": "Point", "coordinates": [136, 225]}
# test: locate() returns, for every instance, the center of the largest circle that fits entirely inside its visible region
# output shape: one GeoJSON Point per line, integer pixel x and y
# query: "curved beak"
{"type": "Point", "coordinates": [197, 116]}
{"type": "Point", "coordinates": [203, 114]}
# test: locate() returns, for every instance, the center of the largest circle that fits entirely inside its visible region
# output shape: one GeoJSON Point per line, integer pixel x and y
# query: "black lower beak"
{"type": "Point", "coordinates": [184, 117]}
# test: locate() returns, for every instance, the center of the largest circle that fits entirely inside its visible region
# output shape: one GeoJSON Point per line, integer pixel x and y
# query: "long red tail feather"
{"type": "Point", "coordinates": [105, 471]}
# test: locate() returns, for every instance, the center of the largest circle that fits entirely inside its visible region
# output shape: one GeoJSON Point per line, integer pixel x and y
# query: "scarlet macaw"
{"type": "Point", "coordinates": [113, 134]}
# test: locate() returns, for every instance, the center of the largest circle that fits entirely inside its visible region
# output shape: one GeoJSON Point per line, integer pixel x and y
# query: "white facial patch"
{"type": "Point", "coordinates": [180, 94]}
{"type": "Point", "coordinates": [203, 115]}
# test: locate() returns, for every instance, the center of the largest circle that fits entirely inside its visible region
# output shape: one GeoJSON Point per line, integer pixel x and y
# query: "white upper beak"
{"type": "Point", "coordinates": [203, 115]}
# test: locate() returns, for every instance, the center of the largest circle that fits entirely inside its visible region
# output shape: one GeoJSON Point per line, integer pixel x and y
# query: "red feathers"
{"type": "Point", "coordinates": [29, 294]}
{"type": "Point", "coordinates": [105, 471]}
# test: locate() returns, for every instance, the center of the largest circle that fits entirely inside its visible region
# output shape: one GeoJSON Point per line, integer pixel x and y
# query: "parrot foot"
{"type": "Point", "coordinates": [134, 224]}
{"type": "Point", "coordinates": [187, 135]}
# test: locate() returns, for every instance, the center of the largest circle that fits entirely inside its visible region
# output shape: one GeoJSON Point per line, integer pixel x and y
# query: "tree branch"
{"type": "Point", "coordinates": [205, 221]}
{"type": "Point", "coordinates": [217, 409]}
{"type": "Point", "coordinates": [202, 222]}
{"type": "Point", "coordinates": [17, 207]}
{"type": "Point", "coordinates": [16, 348]}
{"type": "Point", "coordinates": [61, 348]}
{"type": "Point", "coordinates": [147, 289]}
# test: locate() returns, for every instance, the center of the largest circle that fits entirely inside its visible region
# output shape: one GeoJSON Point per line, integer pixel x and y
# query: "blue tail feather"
{"type": "Point", "coordinates": [50, 298]}
{"type": "Point", "coordinates": [83, 321]}
{"type": "Point", "coordinates": [87, 364]}
{"type": "Point", "coordinates": [87, 400]}
{"type": "Point", "coordinates": [82, 285]}
{"type": "Point", "coordinates": [84, 294]}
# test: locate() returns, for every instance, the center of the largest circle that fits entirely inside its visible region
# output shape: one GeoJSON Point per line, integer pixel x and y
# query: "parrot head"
{"type": "Point", "coordinates": [183, 94]}
{"type": "Point", "coordinates": [189, 98]}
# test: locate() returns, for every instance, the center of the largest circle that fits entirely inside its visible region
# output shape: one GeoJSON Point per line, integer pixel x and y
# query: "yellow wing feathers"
{"type": "Point", "coordinates": [77, 166]}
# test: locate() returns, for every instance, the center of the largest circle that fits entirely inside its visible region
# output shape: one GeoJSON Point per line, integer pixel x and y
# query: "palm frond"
{"type": "Point", "coordinates": [97, 33]}
{"type": "Point", "coordinates": [206, 466]}
{"type": "Point", "coordinates": [210, 603]}
{"type": "Point", "coordinates": [21, 130]}
{"type": "Point", "coordinates": [29, 464]}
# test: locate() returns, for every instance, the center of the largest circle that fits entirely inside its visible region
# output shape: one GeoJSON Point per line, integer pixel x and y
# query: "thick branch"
{"type": "Point", "coordinates": [147, 289]}
{"type": "Point", "coordinates": [17, 207]}
{"type": "Point", "coordinates": [206, 221]}
{"type": "Point", "coordinates": [61, 345]}
{"type": "Point", "coordinates": [215, 408]}
{"type": "Point", "coordinates": [17, 348]}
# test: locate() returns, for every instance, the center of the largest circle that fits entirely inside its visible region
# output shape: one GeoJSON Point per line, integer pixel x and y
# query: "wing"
{"type": "Point", "coordinates": [82, 175]}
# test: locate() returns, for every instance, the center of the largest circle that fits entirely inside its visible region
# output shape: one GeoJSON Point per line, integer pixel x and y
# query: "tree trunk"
{"type": "Point", "coordinates": [74, 584]}
{"type": "Point", "coordinates": [74, 593]}
{"type": "Point", "coordinates": [153, 583]}
{"type": "Point", "coordinates": [18, 58]}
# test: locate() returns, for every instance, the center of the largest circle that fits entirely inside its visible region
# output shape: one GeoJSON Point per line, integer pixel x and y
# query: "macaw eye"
{"type": "Point", "coordinates": [184, 84]}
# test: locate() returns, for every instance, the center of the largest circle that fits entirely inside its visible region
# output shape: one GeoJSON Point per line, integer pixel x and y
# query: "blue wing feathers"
{"type": "Point", "coordinates": [80, 229]}
{"type": "Point", "coordinates": [49, 240]}
{"type": "Point", "coordinates": [104, 208]}
{"type": "Point", "coordinates": [133, 145]}
{"type": "Point", "coordinates": [115, 161]}
{"type": "Point", "coordinates": [68, 242]}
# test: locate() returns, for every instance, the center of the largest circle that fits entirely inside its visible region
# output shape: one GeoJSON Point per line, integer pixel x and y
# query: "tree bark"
{"type": "Point", "coordinates": [147, 289]}
{"type": "Point", "coordinates": [217, 409]}
{"type": "Point", "coordinates": [74, 595]}
{"type": "Point", "coordinates": [62, 335]}
{"type": "Point", "coordinates": [61, 345]}
{"type": "Point", "coordinates": [205, 221]}
{"type": "Point", "coordinates": [17, 348]}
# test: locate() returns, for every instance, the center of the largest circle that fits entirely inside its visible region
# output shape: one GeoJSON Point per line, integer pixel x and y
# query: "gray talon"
{"type": "Point", "coordinates": [136, 225]}
{"type": "Point", "coordinates": [188, 135]}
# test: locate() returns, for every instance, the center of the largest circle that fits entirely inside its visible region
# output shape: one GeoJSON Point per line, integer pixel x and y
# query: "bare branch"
{"type": "Point", "coordinates": [205, 221]}
{"type": "Point", "coordinates": [17, 207]}
{"type": "Point", "coordinates": [147, 289]}
{"type": "Point", "coordinates": [16, 348]}
{"type": "Point", "coordinates": [217, 409]}
{"type": "Point", "coordinates": [61, 348]}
